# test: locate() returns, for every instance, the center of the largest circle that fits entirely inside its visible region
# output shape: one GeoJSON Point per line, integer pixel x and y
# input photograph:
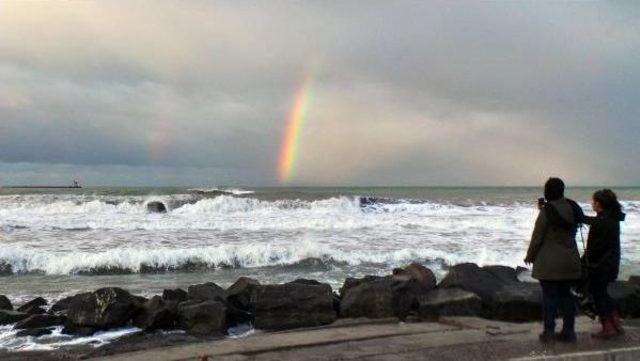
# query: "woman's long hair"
{"type": "Point", "coordinates": [608, 200]}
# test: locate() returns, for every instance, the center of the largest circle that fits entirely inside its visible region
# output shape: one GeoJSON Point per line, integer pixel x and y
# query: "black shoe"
{"type": "Point", "coordinates": [568, 337]}
{"type": "Point", "coordinates": [546, 337]}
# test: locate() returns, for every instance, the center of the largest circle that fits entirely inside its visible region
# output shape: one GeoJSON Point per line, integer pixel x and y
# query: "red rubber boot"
{"type": "Point", "coordinates": [617, 323]}
{"type": "Point", "coordinates": [608, 329]}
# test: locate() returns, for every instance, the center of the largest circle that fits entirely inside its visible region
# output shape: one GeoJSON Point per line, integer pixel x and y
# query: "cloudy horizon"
{"type": "Point", "coordinates": [404, 93]}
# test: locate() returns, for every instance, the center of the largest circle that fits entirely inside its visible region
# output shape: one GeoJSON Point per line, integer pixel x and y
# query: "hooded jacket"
{"type": "Point", "coordinates": [553, 249]}
{"type": "Point", "coordinates": [602, 258]}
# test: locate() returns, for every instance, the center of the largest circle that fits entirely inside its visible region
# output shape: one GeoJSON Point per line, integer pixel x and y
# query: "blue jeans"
{"type": "Point", "coordinates": [556, 295]}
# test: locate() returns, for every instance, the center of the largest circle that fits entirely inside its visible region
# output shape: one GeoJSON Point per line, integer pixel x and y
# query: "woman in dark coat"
{"type": "Point", "coordinates": [602, 257]}
{"type": "Point", "coordinates": [556, 260]}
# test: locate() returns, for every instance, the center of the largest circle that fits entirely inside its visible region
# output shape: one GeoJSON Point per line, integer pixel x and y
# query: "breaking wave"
{"type": "Point", "coordinates": [303, 255]}
{"type": "Point", "coordinates": [117, 235]}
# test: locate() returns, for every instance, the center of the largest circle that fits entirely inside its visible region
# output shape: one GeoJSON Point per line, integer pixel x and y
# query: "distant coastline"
{"type": "Point", "coordinates": [41, 187]}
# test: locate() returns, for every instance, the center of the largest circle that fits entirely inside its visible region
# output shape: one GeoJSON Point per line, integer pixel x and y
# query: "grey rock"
{"type": "Point", "coordinates": [381, 297]}
{"type": "Point", "coordinates": [39, 321]}
{"type": "Point", "coordinates": [202, 317]}
{"type": "Point", "coordinates": [484, 282]}
{"type": "Point", "coordinates": [352, 282]}
{"type": "Point", "coordinates": [33, 306]}
{"type": "Point", "coordinates": [448, 302]}
{"type": "Point", "coordinates": [156, 207]}
{"type": "Point", "coordinates": [292, 305]}
{"type": "Point", "coordinates": [8, 317]}
{"type": "Point", "coordinates": [207, 292]}
{"type": "Point", "coordinates": [518, 302]}
{"type": "Point", "coordinates": [177, 294]}
{"type": "Point", "coordinates": [421, 275]}
{"type": "Point", "coordinates": [62, 306]}
{"type": "Point", "coordinates": [157, 313]}
{"type": "Point", "coordinates": [5, 303]}
{"type": "Point", "coordinates": [626, 296]}
{"type": "Point", "coordinates": [241, 292]}
{"type": "Point", "coordinates": [503, 296]}
{"type": "Point", "coordinates": [33, 309]}
{"type": "Point", "coordinates": [372, 299]}
{"type": "Point", "coordinates": [105, 308]}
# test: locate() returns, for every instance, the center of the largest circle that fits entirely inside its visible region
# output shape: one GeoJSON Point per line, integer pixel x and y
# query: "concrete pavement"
{"type": "Point", "coordinates": [455, 338]}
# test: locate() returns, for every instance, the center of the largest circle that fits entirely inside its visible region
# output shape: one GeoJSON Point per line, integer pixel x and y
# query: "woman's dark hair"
{"type": "Point", "coordinates": [608, 200]}
{"type": "Point", "coordinates": [553, 189]}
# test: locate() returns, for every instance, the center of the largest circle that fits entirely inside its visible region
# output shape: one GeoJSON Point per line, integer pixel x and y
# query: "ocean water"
{"type": "Point", "coordinates": [62, 241]}
{"type": "Point", "coordinates": [59, 242]}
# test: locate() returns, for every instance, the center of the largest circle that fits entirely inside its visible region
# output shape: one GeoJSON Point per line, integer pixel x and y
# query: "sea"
{"type": "Point", "coordinates": [59, 242]}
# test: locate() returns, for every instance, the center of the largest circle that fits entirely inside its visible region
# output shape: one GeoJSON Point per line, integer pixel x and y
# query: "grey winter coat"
{"type": "Point", "coordinates": [553, 249]}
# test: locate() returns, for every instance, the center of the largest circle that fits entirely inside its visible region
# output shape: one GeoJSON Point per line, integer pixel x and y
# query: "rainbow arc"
{"type": "Point", "coordinates": [296, 118]}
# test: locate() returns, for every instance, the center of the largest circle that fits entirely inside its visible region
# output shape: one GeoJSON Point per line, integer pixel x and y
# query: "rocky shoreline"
{"type": "Point", "coordinates": [208, 310]}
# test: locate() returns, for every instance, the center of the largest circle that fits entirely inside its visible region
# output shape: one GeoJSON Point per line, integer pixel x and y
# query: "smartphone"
{"type": "Point", "coordinates": [540, 202]}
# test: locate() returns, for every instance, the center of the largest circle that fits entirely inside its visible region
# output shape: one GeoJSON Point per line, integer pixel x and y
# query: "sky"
{"type": "Point", "coordinates": [406, 93]}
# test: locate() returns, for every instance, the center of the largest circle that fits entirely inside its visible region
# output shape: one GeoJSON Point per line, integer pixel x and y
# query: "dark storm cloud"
{"type": "Point", "coordinates": [405, 92]}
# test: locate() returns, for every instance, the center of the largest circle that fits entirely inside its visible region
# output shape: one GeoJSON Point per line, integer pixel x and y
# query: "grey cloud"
{"type": "Point", "coordinates": [405, 92]}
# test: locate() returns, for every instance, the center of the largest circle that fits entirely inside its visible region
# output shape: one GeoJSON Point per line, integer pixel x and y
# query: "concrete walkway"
{"type": "Point", "coordinates": [451, 339]}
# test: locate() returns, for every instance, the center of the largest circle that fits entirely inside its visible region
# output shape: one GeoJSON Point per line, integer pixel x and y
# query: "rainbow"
{"type": "Point", "coordinates": [289, 148]}
{"type": "Point", "coordinates": [159, 140]}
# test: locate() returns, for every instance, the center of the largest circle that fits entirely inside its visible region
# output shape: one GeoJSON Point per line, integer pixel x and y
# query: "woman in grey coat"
{"type": "Point", "coordinates": [556, 260]}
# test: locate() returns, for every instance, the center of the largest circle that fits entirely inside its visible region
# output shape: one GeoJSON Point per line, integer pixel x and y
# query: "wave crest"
{"type": "Point", "coordinates": [301, 255]}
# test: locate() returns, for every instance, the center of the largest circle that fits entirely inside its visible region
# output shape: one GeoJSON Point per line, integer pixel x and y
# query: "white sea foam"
{"type": "Point", "coordinates": [57, 339]}
{"type": "Point", "coordinates": [61, 235]}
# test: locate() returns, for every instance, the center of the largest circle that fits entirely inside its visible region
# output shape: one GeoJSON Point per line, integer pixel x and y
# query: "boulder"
{"type": "Point", "coordinates": [34, 306]}
{"type": "Point", "coordinates": [626, 296]}
{"type": "Point", "coordinates": [505, 274]}
{"type": "Point", "coordinates": [423, 277]}
{"type": "Point", "coordinates": [62, 306]}
{"type": "Point", "coordinates": [38, 321]}
{"type": "Point", "coordinates": [372, 299]}
{"type": "Point", "coordinates": [239, 296]}
{"type": "Point", "coordinates": [518, 302]}
{"type": "Point", "coordinates": [390, 296]}
{"type": "Point", "coordinates": [156, 313]}
{"type": "Point", "coordinates": [352, 282]}
{"type": "Point", "coordinates": [448, 302]}
{"type": "Point", "coordinates": [202, 317]}
{"type": "Point", "coordinates": [483, 281]}
{"type": "Point", "coordinates": [207, 292]}
{"type": "Point", "coordinates": [501, 292]}
{"type": "Point", "coordinates": [242, 292]}
{"type": "Point", "coordinates": [5, 304]}
{"type": "Point", "coordinates": [156, 207]}
{"type": "Point", "coordinates": [8, 317]}
{"type": "Point", "coordinates": [34, 332]}
{"type": "Point", "coordinates": [292, 305]}
{"type": "Point", "coordinates": [105, 308]}
{"type": "Point", "coordinates": [177, 295]}
{"type": "Point", "coordinates": [34, 310]}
